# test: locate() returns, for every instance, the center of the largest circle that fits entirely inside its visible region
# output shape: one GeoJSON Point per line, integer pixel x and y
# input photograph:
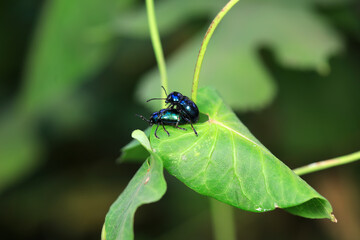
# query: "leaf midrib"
{"type": "Point", "coordinates": [213, 121]}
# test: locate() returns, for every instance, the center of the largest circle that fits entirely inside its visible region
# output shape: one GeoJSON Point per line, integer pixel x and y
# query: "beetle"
{"type": "Point", "coordinates": [185, 106]}
{"type": "Point", "coordinates": [164, 117]}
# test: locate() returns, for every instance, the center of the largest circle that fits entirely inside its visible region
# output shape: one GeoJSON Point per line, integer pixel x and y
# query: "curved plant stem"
{"type": "Point", "coordinates": [222, 214]}
{"type": "Point", "coordinates": [155, 39]}
{"type": "Point", "coordinates": [317, 166]}
{"type": "Point", "coordinates": [204, 44]}
{"type": "Point", "coordinates": [223, 220]}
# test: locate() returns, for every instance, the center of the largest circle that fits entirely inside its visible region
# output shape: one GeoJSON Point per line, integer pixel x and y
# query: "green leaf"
{"type": "Point", "coordinates": [147, 186]}
{"type": "Point", "coordinates": [228, 163]}
{"type": "Point", "coordinates": [142, 138]}
{"type": "Point", "coordinates": [134, 151]}
{"type": "Point", "coordinates": [299, 38]}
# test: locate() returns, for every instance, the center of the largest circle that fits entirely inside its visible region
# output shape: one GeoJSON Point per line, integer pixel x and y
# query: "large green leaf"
{"type": "Point", "coordinates": [148, 185]}
{"type": "Point", "coordinates": [228, 163]}
{"type": "Point", "coordinates": [299, 37]}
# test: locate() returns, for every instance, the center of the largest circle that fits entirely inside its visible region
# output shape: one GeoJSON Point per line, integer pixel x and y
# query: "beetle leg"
{"type": "Point", "coordinates": [193, 129]}
{"type": "Point", "coordinates": [187, 119]}
{"type": "Point", "coordinates": [156, 131]}
{"type": "Point", "coordinates": [165, 129]}
{"type": "Point", "coordinates": [181, 128]}
{"type": "Point", "coordinates": [177, 125]}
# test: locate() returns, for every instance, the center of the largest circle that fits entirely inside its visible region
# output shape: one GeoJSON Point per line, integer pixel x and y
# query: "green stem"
{"type": "Point", "coordinates": [317, 166]}
{"type": "Point", "coordinates": [223, 220]}
{"type": "Point", "coordinates": [204, 44]}
{"type": "Point", "coordinates": [155, 39]}
{"type": "Point", "coordinates": [222, 214]}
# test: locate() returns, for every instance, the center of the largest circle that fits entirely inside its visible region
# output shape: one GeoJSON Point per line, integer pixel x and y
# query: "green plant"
{"type": "Point", "coordinates": [226, 162]}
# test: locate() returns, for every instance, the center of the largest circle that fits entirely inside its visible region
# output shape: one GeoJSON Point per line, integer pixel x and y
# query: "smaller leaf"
{"type": "Point", "coordinates": [147, 186]}
{"type": "Point", "coordinates": [103, 233]}
{"type": "Point", "coordinates": [142, 138]}
{"type": "Point", "coordinates": [134, 151]}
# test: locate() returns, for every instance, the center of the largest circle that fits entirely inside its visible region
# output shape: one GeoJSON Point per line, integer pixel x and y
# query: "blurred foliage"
{"type": "Point", "coordinates": [69, 71]}
{"type": "Point", "coordinates": [329, 108]}
{"type": "Point", "coordinates": [19, 151]}
{"type": "Point", "coordinates": [61, 58]}
{"type": "Point", "coordinates": [300, 38]}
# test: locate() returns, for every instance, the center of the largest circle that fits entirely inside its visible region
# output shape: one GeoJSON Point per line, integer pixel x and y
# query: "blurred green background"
{"type": "Point", "coordinates": [73, 74]}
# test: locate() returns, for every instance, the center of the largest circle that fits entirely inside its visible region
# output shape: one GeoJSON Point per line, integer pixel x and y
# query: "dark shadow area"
{"type": "Point", "coordinates": [203, 118]}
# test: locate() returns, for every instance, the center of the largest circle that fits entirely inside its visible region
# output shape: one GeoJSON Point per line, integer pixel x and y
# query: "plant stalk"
{"type": "Point", "coordinates": [204, 44]}
{"type": "Point", "coordinates": [223, 220]}
{"type": "Point", "coordinates": [317, 166]}
{"type": "Point", "coordinates": [222, 214]}
{"type": "Point", "coordinates": [155, 40]}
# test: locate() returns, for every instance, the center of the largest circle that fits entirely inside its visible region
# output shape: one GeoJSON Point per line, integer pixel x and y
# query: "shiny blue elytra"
{"type": "Point", "coordinates": [165, 117]}
{"type": "Point", "coordinates": [187, 108]}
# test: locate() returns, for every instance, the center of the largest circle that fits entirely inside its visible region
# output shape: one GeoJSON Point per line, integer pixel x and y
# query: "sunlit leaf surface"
{"type": "Point", "coordinates": [228, 163]}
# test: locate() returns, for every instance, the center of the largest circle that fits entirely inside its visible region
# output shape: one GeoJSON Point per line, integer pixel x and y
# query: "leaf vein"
{"type": "Point", "coordinates": [263, 173]}
{"type": "Point", "coordinates": [194, 144]}
{"type": "Point", "coordinates": [235, 166]}
{"type": "Point", "coordinates": [209, 158]}
{"type": "Point", "coordinates": [241, 135]}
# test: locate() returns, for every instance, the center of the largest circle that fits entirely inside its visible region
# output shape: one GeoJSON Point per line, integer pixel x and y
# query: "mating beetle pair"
{"type": "Point", "coordinates": [181, 110]}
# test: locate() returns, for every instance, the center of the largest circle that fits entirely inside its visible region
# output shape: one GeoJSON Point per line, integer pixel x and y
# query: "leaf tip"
{"type": "Point", "coordinates": [103, 233]}
{"type": "Point", "coordinates": [142, 138]}
{"type": "Point", "coordinates": [333, 218]}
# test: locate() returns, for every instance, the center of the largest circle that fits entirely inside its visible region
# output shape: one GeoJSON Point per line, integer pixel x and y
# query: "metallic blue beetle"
{"type": "Point", "coordinates": [165, 117]}
{"type": "Point", "coordinates": [183, 105]}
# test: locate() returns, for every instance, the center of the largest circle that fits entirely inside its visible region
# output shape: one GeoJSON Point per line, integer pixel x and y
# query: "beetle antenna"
{"type": "Point", "coordinates": [164, 90]}
{"type": "Point", "coordinates": [143, 118]}
{"type": "Point", "coordinates": [155, 99]}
